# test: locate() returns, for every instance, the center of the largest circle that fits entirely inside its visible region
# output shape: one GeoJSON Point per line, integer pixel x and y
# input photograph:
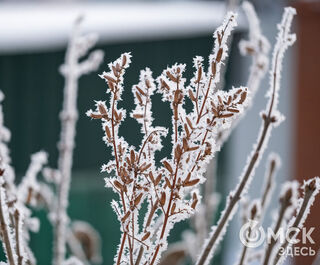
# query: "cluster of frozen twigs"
{"type": "Point", "coordinates": [155, 195]}
{"type": "Point", "coordinates": [170, 187]}
{"type": "Point", "coordinates": [51, 193]}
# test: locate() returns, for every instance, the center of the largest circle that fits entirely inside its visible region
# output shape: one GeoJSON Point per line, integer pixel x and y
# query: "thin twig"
{"type": "Point", "coordinates": [285, 203]}
{"type": "Point", "coordinates": [5, 228]}
{"type": "Point", "coordinates": [262, 205]}
{"type": "Point", "coordinates": [254, 213]}
{"type": "Point", "coordinates": [268, 185]}
{"type": "Point", "coordinates": [16, 226]}
{"type": "Point", "coordinates": [237, 195]}
{"type": "Point", "coordinates": [71, 70]}
{"type": "Point", "coordinates": [311, 189]}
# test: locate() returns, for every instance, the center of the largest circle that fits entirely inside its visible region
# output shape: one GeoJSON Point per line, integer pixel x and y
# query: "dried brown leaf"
{"type": "Point", "coordinates": [191, 182]}
{"type": "Point", "coordinates": [219, 55]}
{"type": "Point", "coordinates": [168, 182]}
{"type": "Point", "coordinates": [189, 123]}
{"type": "Point", "coordinates": [107, 130]}
{"type": "Point", "coordinates": [138, 116]}
{"type": "Point", "coordinates": [163, 198]}
{"type": "Point", "coordinates": [171, 77]}
{"type": "Point", "coordinates": [167, 166]}
{"type": "Point", "coordinates": [146, 236]}
{"type": "Point", "coordinates": [125, 216]}
{"type": "Point", "coordinates": [192, 97]}
{"type": "Point", "coordinates": [109, 78]}
{"type": "Point", "coordinates": [137, 199]}
{"type": "Point", "coordinates": [118, 185]}
{"type": "Point", "coordinates": [157, 181]}
{"type": "Point", "coordinates": [140, 91]}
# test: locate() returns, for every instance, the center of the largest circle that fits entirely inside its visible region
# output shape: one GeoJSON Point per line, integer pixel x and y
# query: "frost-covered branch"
{"type": "Point", "coordinates": [29, 183]}
{"type": "Point", "coordinates": [170, 190]}
{"type": "Point", "coordinates": [270, 119]}
{"type": "Point", "coordinates": [311, 189]}
{"type": "Point", "coordinates": [16, 217]}
{"type": "Point", "coordinates": [71, 70]}
{"type": "Point", "coordinates": [14, 210]}
{"type": "Point", "coordinates": [257, 47]}
{"type": "Point", "coordinates": [288, 201]}
{"type": "Point", "coordinates": [254, 213]}
{"type": "Point", "coordinates": [272, 166]}
{"type": "Point", "coordinates": [7, 232]}
{"type": "Point", "coordinates": [257, 209]}
{"type": "Point", "coordinates": [5, 136]}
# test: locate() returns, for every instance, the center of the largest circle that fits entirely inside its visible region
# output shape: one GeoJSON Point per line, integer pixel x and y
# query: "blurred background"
{"type": "Point", "coordinates": [33, 39]}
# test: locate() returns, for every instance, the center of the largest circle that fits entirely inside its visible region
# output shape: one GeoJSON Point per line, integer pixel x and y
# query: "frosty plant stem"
{"type": "Point", "coordinates": [71, 70]}
{"type": "Point", "coordinates": [311, 189]}
{"type": "Point", "coordinates": [17, 221]}
{"type": "Point", "coordinates": [220, 47]}
{"type": "Point", "coordinates": [287, 200]}
{"type": "Point", "coordinates": [5, 228]}
{"type": "Point", "coordinates": [256, 212]}
{"type": "Point", "coordinates": [17, 201]}
{"type": "Point", "coordinates": [284, 40]}
{"type": "Point", "coordinates": [256, 47]}
{"type": "Point", "coordinates": [273, 165]}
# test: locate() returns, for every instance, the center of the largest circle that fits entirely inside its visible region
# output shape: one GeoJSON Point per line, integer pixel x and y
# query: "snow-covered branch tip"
{"type": "Point", "coordinates": [257, 47]}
